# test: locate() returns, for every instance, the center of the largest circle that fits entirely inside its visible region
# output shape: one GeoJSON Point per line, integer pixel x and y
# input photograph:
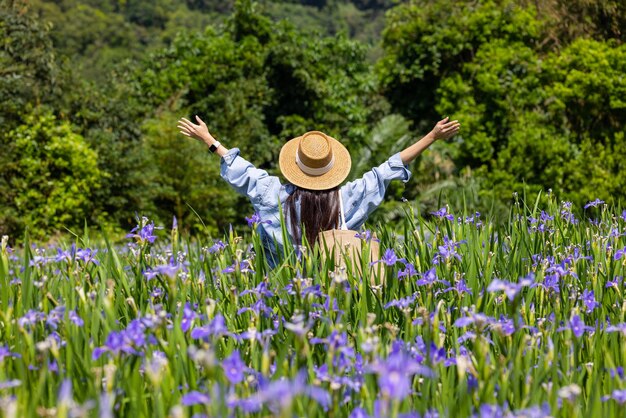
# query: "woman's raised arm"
{"type": "Point", "coordinates": [444, 129]}
{"type": "Point", "coordinates": [243, 176]}
{"type": "Point", "coordinates": [201, 133]}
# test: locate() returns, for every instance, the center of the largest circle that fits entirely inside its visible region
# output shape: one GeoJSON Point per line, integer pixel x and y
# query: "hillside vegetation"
{"type": "Point", "coordinates": [90, 92]}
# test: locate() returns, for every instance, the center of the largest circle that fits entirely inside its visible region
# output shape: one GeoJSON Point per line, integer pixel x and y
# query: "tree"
{"type": "Point", "coordinates": [52, 177]}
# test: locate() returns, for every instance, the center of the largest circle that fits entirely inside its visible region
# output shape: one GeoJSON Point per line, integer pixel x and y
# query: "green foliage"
{"type": "Point", "coordinates": [538, 87]}
{"type": "Point", "coordinates": [28, 71]}
{"type": "Point", "coordinates": [53, 175]}
{"type": "Point", "coordinates": [531, 305]}
{"type": "Point", "coordinates": [186, 180]}
{"type": "Point", "coordinates": [426, 41]}
{"type": "Point", "coordinates": [532, 117]}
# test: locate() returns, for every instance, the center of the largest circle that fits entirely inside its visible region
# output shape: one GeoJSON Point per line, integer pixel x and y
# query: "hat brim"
{"type": "Point", "coordinates": [334, 177]}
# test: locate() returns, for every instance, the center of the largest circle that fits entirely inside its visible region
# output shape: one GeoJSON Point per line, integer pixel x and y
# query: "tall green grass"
{"type": "Point", "coordinates": [448, 340]}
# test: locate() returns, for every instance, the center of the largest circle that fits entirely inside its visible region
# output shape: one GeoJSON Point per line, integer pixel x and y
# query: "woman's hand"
{"type": "Point", "coordinates": [199, 132]}
{"type": "Point", "coordinates": [445, 129]}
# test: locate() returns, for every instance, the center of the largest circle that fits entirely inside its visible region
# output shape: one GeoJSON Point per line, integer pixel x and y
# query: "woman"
{"type": "Point", "coordinates": [315, 165]}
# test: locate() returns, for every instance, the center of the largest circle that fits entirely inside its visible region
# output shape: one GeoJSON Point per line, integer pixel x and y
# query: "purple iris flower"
{"type": "Point", "coordinates": [76, 319]}
{"type": "Point", "coordinates": [429, 278]}
{"type": "Point", "coordinates": [244, 267]}
{"type": "Point", "coordinates": [617, 328]}
{"type": "Point", "coordinates": [403, 303]}
{"type": "Point", "coordinates": [65, 392]}
{"type": "Point", "coordinates": [143, 232]}
{"type": "Point", "coordinates": [551, 282]}
{"type": "Point", "coordinates": [298, 325]}
{"type": "Point", "coordinates": [473, 219]}
{"type": "Point", "coordinates": [504, 325]}
{"type": "Point", "coordinates": [566, 213]}
{"type": "Point", "coordinates": [115, 343]}
{"type": "Point", "coordinates": [5, 352]}
{"type": "Point", "coordinates": [437, 354]}
{"type": "Point", "coordinates": [366, 236]}
{"type": "Point", "coordinates": [594, 203]}
{"type": "Point", "coordinates": [67, 256]}
{"type": "Point", "coordinates": [170, 270]}
{"type": "Point", "coordinates": [262, 289]}
{"type": "Point", "coordinates": [545, 216]}
{"type": "Point", "coordinates": [195, 398]}
{"type": "Point", "coordinates": [55, 316]}
{"type": "Point", "coordinates": [490, 411]}
{"type": "Point", "coordinates": [217, 246]}
{"type": "Point", "coordinates": [620, 253]}
{"type": "Point", "coordinates": [576, 256]}
{"type": "Point", "coordinates": [447, 251]}
{"type": "Point", "coordinates": [229, 269]}
{"type": "Point", "coordinates": [31, 318]}
{"type": "Point", "coordinates": [263, 337]}
{"type": "Point", "coordinates": [589, 300]}
{"type": "Point", "coordinates": [577, 326]}
{"type": "Point", "coordinates": [408, 271]}
{"type": "Point", "coordinates": [460, 287]}
{"type": "Point", "coordinates": [534, 411]}
{"type": "Point", "coordinates": [336, 342]}
{"type": "Point", "coordinates": [234, 368]}
{"type": "Point", "coordinates": [255, 219]}
{"type": "Point", "coordinates": [617, 372]}
{"type": "Point", "coordinates": [389, 258]}
{"type": "Point", "coordinates": [8, 384]}
{"type": "Point", "coordinates": [615, 282]}
{"type": "Point", "coordinates": [188, 316]}
{"type": "Point", "coordinates": [278, 393]}
{"type": "Point", "coordinates": [395, 373]}
{"type": "Point", "coordinates": [87, 255]}
{"type": "Point", "coordinates": [511, 289]}
{"type": "Point", "coordinates": [217, 327]}
{"type": "Point", "coordinates": [257, 307]}
{"type": "Point", "coordinates": [443, 214]}
{"type": "Point", "coordinates": [623, 215]}
{"type": "Point", "coordinates": [39, 261]}
{"type": "Point", "coordinates": [479, 319]}
{"type": "Point", "coordinates": [359, 413]}
{"type": "Point", "coordinates": [618, 395]}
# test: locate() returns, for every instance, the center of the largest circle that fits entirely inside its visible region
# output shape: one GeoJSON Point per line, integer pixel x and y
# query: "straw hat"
{"type": "Point", "coordinates": [314, 161]}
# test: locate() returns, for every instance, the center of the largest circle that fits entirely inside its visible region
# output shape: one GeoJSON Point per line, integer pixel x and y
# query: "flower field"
{"type": "Point", "coordinates": [522, 316]}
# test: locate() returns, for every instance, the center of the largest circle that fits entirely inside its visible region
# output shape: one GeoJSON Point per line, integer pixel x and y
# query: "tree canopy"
{"type": "Point", "coordinates": [91, 90]}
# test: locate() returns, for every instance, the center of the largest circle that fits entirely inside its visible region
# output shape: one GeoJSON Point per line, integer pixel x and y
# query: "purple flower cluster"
{"type": "Point", "coordinates": [443, 214]}
{"type": "Point", "coordinates": [278, 393]}
{"type": "Point", "coordinates": [255, 220]}
{"type": "Point", "coordinates": [512, 289]}
{"type": "Point", "coordinates": [447, 251]}
{"type": "Point", "coordinates": [576, 326]}
{"type": "Point", "coordinates": [132, 340]}
{"type": "Point", "coordinates": [143, 233]}
{"type": "Point", "coordinates": [594, 203]}
{"type": "Point", "coordinates": [216, 328]}
{"type": "Point", "coordinates": [395, 373]}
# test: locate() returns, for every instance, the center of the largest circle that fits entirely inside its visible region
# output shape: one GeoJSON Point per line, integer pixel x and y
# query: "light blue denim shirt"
{"type": "Point", "coordinates": [360, 197]}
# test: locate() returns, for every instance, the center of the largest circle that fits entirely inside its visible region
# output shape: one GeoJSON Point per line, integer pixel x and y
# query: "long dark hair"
{"type": "Point", "coordinates": [319, 211]}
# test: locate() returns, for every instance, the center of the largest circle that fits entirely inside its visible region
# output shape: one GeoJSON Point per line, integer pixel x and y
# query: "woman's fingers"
{"type": "Point", "coordinates": [452, 125]}
{"type": "Point", "coordinates": [184, 128]}
{"type": "Point", "coordinates": [200, 120]}
{"type": "Point", "coordinates": [189, 123]}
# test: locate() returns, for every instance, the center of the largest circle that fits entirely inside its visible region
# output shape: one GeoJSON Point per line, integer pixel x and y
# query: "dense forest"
{"type": "Point", "coordinates": [90, 92]}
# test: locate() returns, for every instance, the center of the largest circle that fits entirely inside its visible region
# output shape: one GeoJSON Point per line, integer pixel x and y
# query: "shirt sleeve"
{"type": "Point", "coordinates": [248, 180]}
{"type": "Point", "coordinates": [362, 196]}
